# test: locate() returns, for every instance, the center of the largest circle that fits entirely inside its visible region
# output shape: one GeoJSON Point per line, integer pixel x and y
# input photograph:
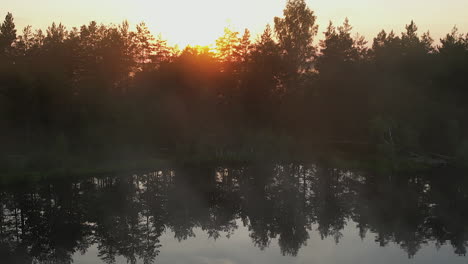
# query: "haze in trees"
{"type": "Point", "coordinates": [103, 91]}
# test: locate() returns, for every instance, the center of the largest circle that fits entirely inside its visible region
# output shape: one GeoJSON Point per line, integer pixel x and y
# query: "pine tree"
{"type": "Point", "coordinates": [228, 46]}
{"type": "Point", "coordinates": [25, 41]}
{"type": "Point", "coordinates": [245, 46]}
{"type": "Point", "coordinates": [295, 33]}
{"type": "Point", "coordinates": [7, 34]}
{"type": "Point", "coordinates": [144, 45]}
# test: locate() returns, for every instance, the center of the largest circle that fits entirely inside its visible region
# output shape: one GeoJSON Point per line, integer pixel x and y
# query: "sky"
{"type": "Point", "coordinates": [201, 22]}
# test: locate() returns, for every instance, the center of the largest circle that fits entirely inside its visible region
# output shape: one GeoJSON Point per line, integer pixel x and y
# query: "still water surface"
{"type": "Point", "coordinates": [286, 213]}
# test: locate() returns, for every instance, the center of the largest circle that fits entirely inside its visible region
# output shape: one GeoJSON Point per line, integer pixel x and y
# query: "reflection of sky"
{"type": "Point", "coordinates": [202, 21]}
{"type": "Point", "coordinates": [240, 250]}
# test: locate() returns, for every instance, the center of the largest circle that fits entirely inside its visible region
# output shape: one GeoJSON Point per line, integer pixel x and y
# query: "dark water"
{"type": "Point", "coordinates": [257, 214]}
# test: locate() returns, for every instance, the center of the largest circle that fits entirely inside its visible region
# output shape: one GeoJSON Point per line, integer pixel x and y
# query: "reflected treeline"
{"type": "Point", "coordinates": [126, 216]}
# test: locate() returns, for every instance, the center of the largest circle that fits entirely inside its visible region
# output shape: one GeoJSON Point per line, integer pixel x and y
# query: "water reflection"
{"type": "Point", "coordinates": [125, 216]}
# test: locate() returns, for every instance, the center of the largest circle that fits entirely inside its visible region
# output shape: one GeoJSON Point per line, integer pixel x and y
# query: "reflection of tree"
{"type": "Point", "coordinates": [290, 216]}
{"type": "Point", "coordinates": [396, 210]}
{"type": "Point", "coordinates": [275, 207]}
{"type": "Point", "coordinates": [46, 222]}
{"type": "Point", "coordinates": [449, 198]}
{"type": "Point", "coordinates": [258, 205]}
{"type": "Point", "coordinates": [125, 216]}
{"type": "Point", "coordinates": [180, 220]}
{"type": "Point", "coordinates": [129, 229]}
{"type": "Point", "coordinates": [330, 201]}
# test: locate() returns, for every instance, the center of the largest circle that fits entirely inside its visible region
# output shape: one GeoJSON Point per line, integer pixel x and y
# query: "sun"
{"type": "Point", "coordinates": [183, 22]}
{"type": "Point", "coordinates": [201, 22]}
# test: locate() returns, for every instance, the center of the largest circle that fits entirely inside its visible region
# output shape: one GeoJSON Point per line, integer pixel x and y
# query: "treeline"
{"type": "Point", "coordinates": [104, 88]}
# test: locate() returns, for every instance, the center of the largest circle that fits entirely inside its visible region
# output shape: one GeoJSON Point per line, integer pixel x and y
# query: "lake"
{"type": "Point", "coordinates": [263, 213]}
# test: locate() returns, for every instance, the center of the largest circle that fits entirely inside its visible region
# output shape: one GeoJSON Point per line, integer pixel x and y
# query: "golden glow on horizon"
{"type": "Point", "coordinates": [201, 22]}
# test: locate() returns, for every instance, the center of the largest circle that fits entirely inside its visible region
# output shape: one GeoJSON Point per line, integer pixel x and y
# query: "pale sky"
{"type": "Point", "coordinates": [200, 22]}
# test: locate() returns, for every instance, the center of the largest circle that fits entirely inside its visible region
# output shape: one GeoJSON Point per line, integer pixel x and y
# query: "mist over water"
{"type": "Point", "coordinates": [307, 143]}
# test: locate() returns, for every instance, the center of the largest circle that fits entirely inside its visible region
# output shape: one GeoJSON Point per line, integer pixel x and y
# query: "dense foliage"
{"type": "Point", "coordinates": [104, 89]}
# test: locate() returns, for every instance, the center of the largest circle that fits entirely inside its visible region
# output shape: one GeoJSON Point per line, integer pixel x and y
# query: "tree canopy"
{"type": "Point", "coordinates": [90, 89]}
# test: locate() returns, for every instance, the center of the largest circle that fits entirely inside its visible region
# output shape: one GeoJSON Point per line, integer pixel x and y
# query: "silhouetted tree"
{"type": "Point", "coordinates": [295, 33]}
{"type": "Point", "coordinates": [7, 35]}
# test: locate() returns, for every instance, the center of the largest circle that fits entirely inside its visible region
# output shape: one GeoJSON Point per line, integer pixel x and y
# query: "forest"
{"type": "Point", "coordinates": [107, 92]}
